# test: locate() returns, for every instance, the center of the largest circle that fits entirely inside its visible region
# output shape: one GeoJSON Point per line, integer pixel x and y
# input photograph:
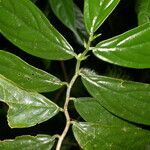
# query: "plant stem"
{"type": "Point", "coordinates": [68, 92]}
{"type": "Point", "coordinates": [68, 120]}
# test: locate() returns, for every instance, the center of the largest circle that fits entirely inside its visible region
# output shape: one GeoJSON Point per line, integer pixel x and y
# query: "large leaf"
{"type": "Point", "coordinates": [143, 11]}
{"type": "Point", "coordinates": [25, 108]}
{"type": "Point", "coordinates": [96, 12]}
{"type": "Point", "coordinates": [131, 49]}
{"type": "Point", "coordinates": [25, 25]}
{"type": "Point", "coordinates": [129, 100]}
{"type": "Point", "coordinates": [104, 130]}
{"type": "Point", "coordinates": [96, 136]}
{"type": "Point", "coordinates": [27, 142]}
{"type": "Point", "coordinates": [92, 111]}
{"type": "Point", "coordinates": [70, 15]}
{"type": "Point", "coordinates": [25, 75]}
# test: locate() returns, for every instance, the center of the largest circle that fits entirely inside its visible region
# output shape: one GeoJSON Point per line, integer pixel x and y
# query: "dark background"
{"type": "Point", "coordinates": [122, 19]}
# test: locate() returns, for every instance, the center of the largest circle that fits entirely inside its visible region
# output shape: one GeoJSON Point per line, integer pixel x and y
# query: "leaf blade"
{"type": "Point", "coordinates": [25, 75]}
{"type": "Point", "coordinates": [126, 49]}
{"type": "Point", "coordinates": [126, 99]}
{"type": "Point", "coordinates": [92, 111]}
{"type": "Point", "coordinates": [96, 12]}
{"type": "Point", "coordinates": [92, 136]}
{"type": "Point", "coordinates": [28, 28]}
{"type": "Point", "coordinates": [28, 142]}
{"type": "Point", "coordinates": [71, 16]}
{"type": "Point", "coordinates": [143, 11]}
{"type": "Point", "coordinates": [104, 130]}
{"type": "Point", "coordinates": [64, 10]}
{"type": "Point", "coordinates": [26, 108]}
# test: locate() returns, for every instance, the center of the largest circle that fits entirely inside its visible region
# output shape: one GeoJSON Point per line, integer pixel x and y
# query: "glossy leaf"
{"type": "Point", "coordinates": [128, 100]}
{"type": "Point", "coordinates": [104, 130]}
{"type": "Point", "coordinates": [26, 108]}
{"type": "Point", "coordinates": [131, 49]}
{"type": "Point", "coordinates": [25, 75]}
{"type": "Point", "coordinates": [96, 12]}
{"type": "Point", "coordinates": [27, 142]}
{"type": "Point", "coordinates": [143, 11]}
{"type": "Point", "coordinates": [70, 15]}
{"type": "Point", "coordinates": [64, 10]}
{"type": "Point", "coordinates": [92, 111]}
{"type": "Point", "coordinates": [96, 136]}
{"type": "Point", "coordinates": [28, 28]}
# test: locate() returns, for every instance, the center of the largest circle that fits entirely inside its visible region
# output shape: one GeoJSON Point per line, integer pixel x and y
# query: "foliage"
{"type": "Point", "coordinates": [117, 113]}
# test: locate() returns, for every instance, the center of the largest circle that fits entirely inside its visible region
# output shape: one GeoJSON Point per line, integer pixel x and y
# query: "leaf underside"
{"type": "Point", "coordinates": [27, 142]}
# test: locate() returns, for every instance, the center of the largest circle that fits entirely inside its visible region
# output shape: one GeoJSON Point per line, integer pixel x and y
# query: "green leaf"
{"type": "Point", "coordinates": [25, 75]}
{"type": "Point", "coordinates": [143, 11]}
{"type": "Point", "coordinates": [104, 130]}
{"type": "Point", "coordinates": [96, 136]}
{"type": "Point", "coordinates": [64, 10]}
{"type": "Point", "coordinates": [28, 142]}
{"type": "Point", "coordinates": [96, 12]}
{"type": "Point", "coordinates": [126, 99]}
{"type": "Point", "coordinates": [28, 28]}
{"type": "Point", "coordinates": [80, 32]}
{"type": "Point", "coordinates": [130, 49]}
{"type": "Point", "coordinates": [26, 108]}
{"type": "Point", "coordinates": [92, 111]}
{"type": "Point", "coordinates": [70, 15]}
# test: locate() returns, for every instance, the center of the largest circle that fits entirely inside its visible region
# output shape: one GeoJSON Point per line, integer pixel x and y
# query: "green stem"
{"type": "Point", "coordinates": [70, 85]}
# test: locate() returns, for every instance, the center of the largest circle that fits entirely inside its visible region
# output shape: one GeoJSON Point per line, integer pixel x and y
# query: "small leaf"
{"type": "Point", "coordinates": [143, 11]}
{"type": "Point", "coordinates": [28, 142]}
{"type": "Point", "coordinates": [25, 75]}
{"type": "Point", "coordinates": [28, 28]}
{"type": "Point", "coordinates": [131, 49]}
{"type": "Point", "coordinates": [26, 108]}
{"type": "Point", "coordinates": [126, 99]}
{"type": "Point", "coordinates": [96, 12]}
{"type": "Point", "coordinates": [96, 136]}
